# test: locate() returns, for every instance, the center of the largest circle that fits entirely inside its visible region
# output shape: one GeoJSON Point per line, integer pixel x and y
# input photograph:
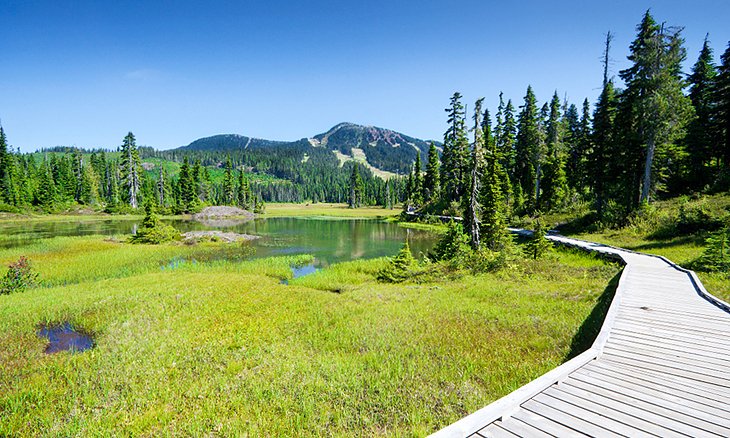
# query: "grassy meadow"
{"type": "Point", "coordinates": [220, 346]}
{"type": "Point", "coordinates": [328, 210]}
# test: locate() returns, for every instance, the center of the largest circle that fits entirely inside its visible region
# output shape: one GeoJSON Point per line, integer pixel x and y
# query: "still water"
{"type": "Point", "coordinates": [329, 240]}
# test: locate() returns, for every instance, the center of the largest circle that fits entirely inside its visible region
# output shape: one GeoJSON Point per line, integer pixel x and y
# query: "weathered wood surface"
{"type": "Point", "coordinates": [659, 367]}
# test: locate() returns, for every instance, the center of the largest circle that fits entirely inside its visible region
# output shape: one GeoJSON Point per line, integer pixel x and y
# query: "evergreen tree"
{"type": "Point", "coordinates": [555, 186]}
{"type": "Point", "coordinates": [472, 210]}
{"type": "Point", "coordinates": [356, 188]}
{"type": "Point", "coordinates": [722, 112]}
{"type": "Point", "coordinates": [527, 147]}
{"type": "Point", "coordinates": [700, 139]}
{"type": "Point", "coordinates": [244, 191]}
{"type": "Point", "coordinates": [431, 180]}
{"type": "Point", "coordinates": [577, 132]}
{"type": "Point", "coordinates": [46, 193]}
{"type": "Point", "coordinates": [186, 187]}
{"type": "Point", "coordinates": [131, 170]}
{"type": "Point", "coordinates": [229, 193]}
{"type": "Point", "coordinates": [8, 188]}
{"type": "Point", "coordinates": [603, 159]}
{"type": "Point", "coordinates": [493, 226]}
{"type": "Point", "coordinates": [538, 245]}
{"type": "Point", "coordinates": [455, 156]}
{"type": "Point", "coordinates": [417, 187]}
{"type": "Point", "coordinates": [89, 191]}
{"type": "Point", "coordinates": [658, 108]}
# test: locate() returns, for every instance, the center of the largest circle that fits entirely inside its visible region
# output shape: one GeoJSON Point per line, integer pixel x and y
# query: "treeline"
{"type": "Point", "coordinates": [304, 173]}
{"type": "Point", "coordinates": [117, 182]}
{"type": "Point", "coordinates": [663, 134]}
{"type": "Point", "coordinates": [65, 176]}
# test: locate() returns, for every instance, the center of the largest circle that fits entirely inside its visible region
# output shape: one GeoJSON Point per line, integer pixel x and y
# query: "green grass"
{"type": "Point", "coordinates": [667, 231]}
{"type": "Point", "coordinates": [326, 210]}
{"type": "Point", "coordinates": [221, 347]}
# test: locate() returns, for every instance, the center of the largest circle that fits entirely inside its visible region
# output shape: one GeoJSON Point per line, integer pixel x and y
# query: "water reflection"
{"type": "Point", "coordinates": [330, 241]}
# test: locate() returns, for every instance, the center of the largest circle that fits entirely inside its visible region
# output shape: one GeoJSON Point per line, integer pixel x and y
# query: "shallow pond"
{"type": "Point", "coordinates": [329, 240]}
{"type": "Point", "coordinates": [63, 337]}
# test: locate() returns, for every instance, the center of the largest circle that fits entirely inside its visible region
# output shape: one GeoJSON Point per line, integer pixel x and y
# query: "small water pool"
{"type": "Point", "coordinates": [63, 337]}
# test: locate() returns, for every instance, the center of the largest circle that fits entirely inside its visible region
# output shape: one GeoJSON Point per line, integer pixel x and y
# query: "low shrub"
{"type": "Point", "coordinates": [153, 231]}
{"type": "Point", "coordinates": [19, 277]}
{"type": "Point", "coordinates": [716, 256]}
{"type": "Point", "coordinates": [399, 268]}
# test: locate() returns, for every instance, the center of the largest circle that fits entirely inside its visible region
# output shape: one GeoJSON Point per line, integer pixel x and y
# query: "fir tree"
{"type": "Point", "coordinates": [131, 170]}
{"type": "Point", "coordinates": [527, 147]}
{"type": "Point", "coordinates": [455, 157]}
{"type": "Point", "coordinates": [417, 187]}
{"type": "Point", "coordinates": [244, 191]}
{"type": "Point", "coordinates": [654, 97]}
{"type": "Point", "coordinates": [603, 158]}
{"type": "Point", "coordinates": [472, 210]}
{"type": "Point", "coordinates": [431, 185]}
{"type": "Point", "coordinates": [700, 139]}
{"type": "Point", "coordinates": [722, 112]}
{"type": "Point", "coordinates": [356, 188]}
{"type": "Point", "coordinates": [554, 181]}
{"type": "Point", "coordinates": [8, 188]}
{"type": "Point", "coordinates": [229, 193]}
{"type": "Point", "coordinates": [493, 226]}
{"type": "Point", "coordinates": [188, 197]}
{"type": "Point", "coordinates": [538, 245]}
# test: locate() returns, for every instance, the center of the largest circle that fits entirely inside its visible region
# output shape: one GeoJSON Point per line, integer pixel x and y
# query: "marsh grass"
{"type": "Point", "coordinates": [327, 210]}
{"type": "Point", "coordinates": [221, 347]}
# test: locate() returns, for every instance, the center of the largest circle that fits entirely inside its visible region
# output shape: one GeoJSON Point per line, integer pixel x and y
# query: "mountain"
{"type": "Point", "coordinates": [225, 142]}
{"type": "Point", "coordinates": [384, 151]}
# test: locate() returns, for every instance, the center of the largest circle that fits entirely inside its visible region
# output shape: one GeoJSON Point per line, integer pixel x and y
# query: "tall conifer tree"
{"type": "Point", "coordinates": [131, 170]}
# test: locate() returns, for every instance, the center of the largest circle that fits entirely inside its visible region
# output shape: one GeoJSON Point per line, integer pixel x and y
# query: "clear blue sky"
{"type": "Point", "coordinates": [85, 73]}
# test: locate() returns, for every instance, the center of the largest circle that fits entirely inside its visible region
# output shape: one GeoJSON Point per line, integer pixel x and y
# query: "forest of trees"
{"type": "Point", "coordinates": [661, 133]}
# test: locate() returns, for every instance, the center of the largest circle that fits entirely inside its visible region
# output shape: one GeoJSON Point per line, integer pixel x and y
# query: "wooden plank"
{"type": "Point", "coordinates": [494, 431]}
{"type": "Point", "coordinates": [714, 395]}
{"type": "Point", "coordinates": [642, 339]}
{"type": "Point", "coordinates": [648, 421]}
{"type": "Point", "coordinates": [636, 426]}
{"type": "Point", "coordinates": [664, 330]}
{"type": "Point", "coordinates": [661, 406]}
{"type": "Point", "coordinates": [519, 428]}
{"type": "Point", "coordinates": [596, 418]}
{"type": "Point", "coordinates": [660, 369]}
{"type": "Point", "coordinates": [661, 334]}
{"type": "Point", "coordinates": [711, 315]}
{"type": "Point", "coordinates": [651, 390]}
{"type": "Point", "coordinates": [699, 372]}
{"type": "Point", "coordinates": [662, 416]}
{"type": "Point", "coordinates": [699, 401]}
{"type": "Point", "coordinates": [677, 321]}
{"type": "Point", "coordinates": [546, 424]}
{"type": "Point", "coordinates": [568, 420]}
{"type": "Point", "coordinates": [683, 352]}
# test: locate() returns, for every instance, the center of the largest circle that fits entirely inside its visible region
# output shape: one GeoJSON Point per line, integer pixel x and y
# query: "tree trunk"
{"type": "Point", "coordinates": [646, 186]}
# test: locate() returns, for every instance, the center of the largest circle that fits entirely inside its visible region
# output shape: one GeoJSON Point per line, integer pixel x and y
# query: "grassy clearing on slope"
{"type": "Point", "coordinates": [222, 347]}
{"type": "Point", "coordinates": [675, 228]}
{"type": "Point", "coordinates": [326, 210]}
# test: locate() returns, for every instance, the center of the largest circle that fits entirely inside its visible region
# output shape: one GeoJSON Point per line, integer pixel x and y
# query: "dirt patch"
{"type": "Point", "coordinates": [218, 212]}
{"type": "Point", "coordinates": [216, 236]}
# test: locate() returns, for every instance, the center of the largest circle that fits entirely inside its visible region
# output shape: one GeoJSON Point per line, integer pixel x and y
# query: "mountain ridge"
{"type": "Point", "coordinates": [384, 149]}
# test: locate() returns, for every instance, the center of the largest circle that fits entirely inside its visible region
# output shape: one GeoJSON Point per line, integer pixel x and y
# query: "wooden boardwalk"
{"type": "Point", "coordinates": [659, 367]}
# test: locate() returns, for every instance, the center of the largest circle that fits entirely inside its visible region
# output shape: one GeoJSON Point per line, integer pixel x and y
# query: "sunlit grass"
{"type": "Point", "coordinates": [221, 347]}
{"type": "Point", "coordinates": [326, 210]}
